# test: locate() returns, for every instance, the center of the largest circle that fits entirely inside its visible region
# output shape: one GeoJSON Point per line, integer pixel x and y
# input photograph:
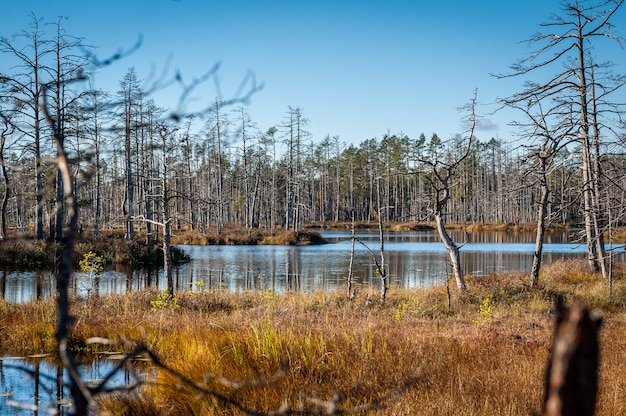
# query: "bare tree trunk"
{"type": "Point", "coordinates": [166, 225]}
{"type": "Point", "coordinates": [37, 133]}
{"type": "Point", "coordinates": [220, 175]}
{"type": "Point", "coordinates": [351, 291]}
{"type": "Point", "coordinates": [271, 132]}
{"type": "Point", "coordinates": [5, 201]}
{"type": "Point", "coordinates": [596, 184]}
{"type": "Point", "coordinates": [5, 177]}
{"type": "Point", "coordinates": [453, 252]}
{"type": "Point", "coordinates": [589, 210]}
{"type": "Point", "coordinates": [129, 172]}
{"type": "Point", "coordinates": [572, 374]}
{"type": "Point", "coordinates": [541, 223]}
{"type": "Point", "coordinates": [382, 270]}
{"type": "Point", "coordinates": [167, 257]}
{"type": "Point", "coordinates": [541, 230]}
{"type": "Point", "coordinates": [98, 213]}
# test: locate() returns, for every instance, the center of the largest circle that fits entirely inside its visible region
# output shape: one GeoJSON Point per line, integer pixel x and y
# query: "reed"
{"type": "Point", "coordinates": [459, 361]}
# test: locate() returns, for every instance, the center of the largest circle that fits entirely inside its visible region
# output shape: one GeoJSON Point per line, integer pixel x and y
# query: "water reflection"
{"type": "Point", "coordinates": [413, 259]}
{"type": "Point", "coordinates": [34, 386]}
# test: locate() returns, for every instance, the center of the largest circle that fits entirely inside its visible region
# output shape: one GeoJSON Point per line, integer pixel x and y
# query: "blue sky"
{"type": "Point", "coordinates": [358, 69]}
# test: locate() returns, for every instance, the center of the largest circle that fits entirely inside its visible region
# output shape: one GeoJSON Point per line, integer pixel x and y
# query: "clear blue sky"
{"type": "Point", "coordinates": [358, 69]}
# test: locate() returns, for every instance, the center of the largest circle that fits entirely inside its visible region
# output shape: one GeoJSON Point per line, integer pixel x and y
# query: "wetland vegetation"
{"type": "Point", "coordinates": [484, 352]}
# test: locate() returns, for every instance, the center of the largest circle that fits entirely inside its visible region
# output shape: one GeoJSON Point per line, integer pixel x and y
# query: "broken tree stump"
{"type": "Point", "coordinates": [572, 374]}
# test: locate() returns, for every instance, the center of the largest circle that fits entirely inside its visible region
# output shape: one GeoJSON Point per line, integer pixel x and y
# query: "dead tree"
{"type": "Point", "coordinates": [572, 373]}
{"type": "Point", "coordinates": [442, 171]}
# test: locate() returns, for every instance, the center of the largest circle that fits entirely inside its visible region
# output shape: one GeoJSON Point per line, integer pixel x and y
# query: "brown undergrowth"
{"type": "Point", "coordinates": [238, 236]}
{"type": "Point", "coordinates": [485, 354]}
{"type": "Point", "coordinates": [26, 253]}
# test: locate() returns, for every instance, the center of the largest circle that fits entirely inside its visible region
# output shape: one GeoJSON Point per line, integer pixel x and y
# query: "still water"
{"type": "Point", "coordinates": [413, 259]}
{"type": "Point", "coordinates": [35, 386]}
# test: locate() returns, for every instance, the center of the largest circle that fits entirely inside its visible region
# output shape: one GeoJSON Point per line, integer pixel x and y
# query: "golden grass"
{"type": "Point", "coordinates": [30, 254]}
{"type": "Point", "coordinates": [466, 360]}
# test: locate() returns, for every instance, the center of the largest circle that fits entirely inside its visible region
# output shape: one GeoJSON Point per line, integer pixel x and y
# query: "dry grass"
{"type": "Point", "coordinates": [237, 236]}
{"type": "Point", "coordinates": [467, 359]}
{"type": "Point", "coordinates": [25, 253]}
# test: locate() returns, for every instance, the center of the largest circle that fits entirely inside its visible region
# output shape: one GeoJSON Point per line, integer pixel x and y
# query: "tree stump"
{"type": "Point", "coordinates": [572, 373]}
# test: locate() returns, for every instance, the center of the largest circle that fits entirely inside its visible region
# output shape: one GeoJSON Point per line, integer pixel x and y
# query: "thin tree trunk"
{"type": "Point", "coordinates": [453, 252]}
{"type": "Point", "coordinates": [351, 291]}
{"type": "Point", "coordinates": [7, 190]}
{"type": "Point", "coordinates": [596, 182]}
{"type": "Point", "coordinates": [5, 202]}
{"type": "Point", "coordinates": [96, 230]}
{"type": "Point", "coordinates": [167, 257]}
{"type": "Point", "coordinates": [166, 226]}
{"type": "Point", "coordinates": [588, 208]}
{"type": "Point", "coordinates": [541, 224]}
{"type": "Point", "coordinates": [59, 216]}
{"type": "Point", "coordinates": [220, 177]}
{"type": "Point", "coordinates": [382, 271]}
{"type": "Point", "coordinates": [129, 173]}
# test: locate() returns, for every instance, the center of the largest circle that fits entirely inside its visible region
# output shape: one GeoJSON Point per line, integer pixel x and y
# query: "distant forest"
{"type": "Point", "coordinates": [219, 168]}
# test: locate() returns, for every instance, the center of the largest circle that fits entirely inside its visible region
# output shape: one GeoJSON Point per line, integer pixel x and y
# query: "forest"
{"type": "Point", "coordinates": [221, 168]}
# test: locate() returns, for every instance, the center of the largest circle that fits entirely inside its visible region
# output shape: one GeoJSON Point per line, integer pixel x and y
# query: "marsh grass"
{"type": "Point", "coordinates": [362, 350]}
{"type": "Point", "coordinates": [237, 236]}
{"type": "Point", "coordinates": [24, 253]}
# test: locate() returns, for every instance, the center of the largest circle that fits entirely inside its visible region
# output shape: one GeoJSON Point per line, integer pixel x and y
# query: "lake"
{"type": "Point", "coordinates": [413, 259]}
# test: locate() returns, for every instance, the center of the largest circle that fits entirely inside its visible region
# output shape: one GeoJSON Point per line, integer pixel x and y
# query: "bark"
{"type": "Point", "coordinates": [588, 207]}
{"type": "Point", "coordinates": [453, 252]}
{"type": "Point", "coordinates": [167, 257]}
{"type": "Point", "coordinates": [571, 383]}
{"type": "Point", "coordinates": [96, 133]}
{"type": "Point", "coordinates": [541, 224]}
{"type": "Point", "coordinates": [37, 133]}
{"type": "Point", "coordinates": [382, 270]}
{"type": "Point", "coordinates": [596, 182]}
{"type": "Point", "coordinates": [220, 176]}
{"type": "Point", "coordinates": [5, 177]}
{"type": "Point", "coordinates": [166, 225]}
{"type": "Point", "coordinates": [130, 227]}
{"type": "Point", "coordinates": [5, 201]}
{"type": "Point", "coordinates": [351, 291]}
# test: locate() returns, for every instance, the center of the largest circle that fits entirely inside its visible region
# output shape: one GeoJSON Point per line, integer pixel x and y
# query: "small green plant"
{"type": "Point", "coordinates": [198, 286]}
{"type": "Point", "coordinates": [164, 300]}
{"type": "Point", "coordinates": [269, 294]}
{"type": "Point", "coordinates": [485, 315]}
{"type": "Point", "coordinates": [406, 307]}
{"type": "Point", "coordinates": [92, 264]}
